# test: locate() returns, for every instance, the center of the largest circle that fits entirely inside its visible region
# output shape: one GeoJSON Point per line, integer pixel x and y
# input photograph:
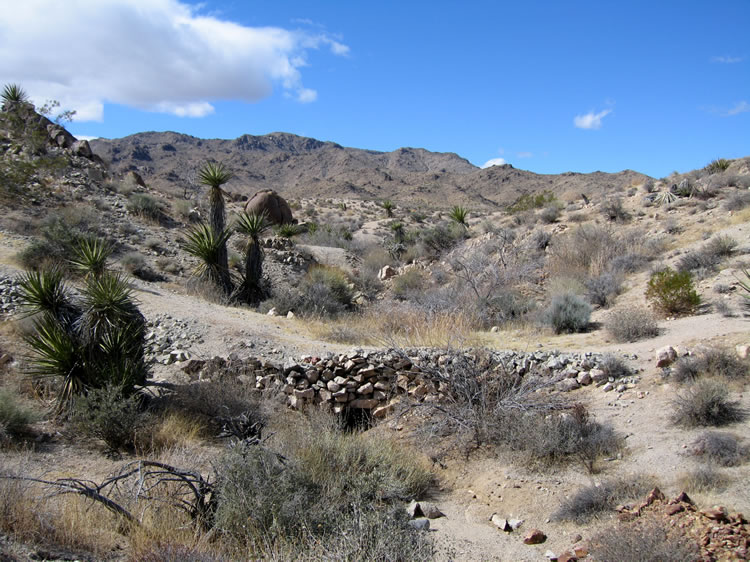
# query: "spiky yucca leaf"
{"type": "Point", "coordinates": [45, 291]}
{"type": "Point", "coordinates": [56, 353]}
{"type": "Point", "coordinates": [459, 215]}
{"type": "Point", "coordinates": [745, 284]}
{"type": "Point", "coordinates": [214, 175]}
{"type": "Point", "coordinates": [120, 355]}
{"type": "Point", "coordinates": [107, 305]}
{"type": "Point", "coordinates": [665, 197]}
{"type": "Point", "coordinates": [206, 245]}
{"type": "Point", "coordinates": [13, 93]}
{"type": "Point", "coordinates": [91, 256]}
{"type": "Point", "coordinates": [252, 224]}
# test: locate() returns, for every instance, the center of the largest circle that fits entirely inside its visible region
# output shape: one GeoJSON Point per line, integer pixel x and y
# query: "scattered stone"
{"type": "Point", "coordinates": [431, 511]}
{"type": "Point", "coordinates": [515, 523]}
{"type": "Point", "coordinates": [422, 524]}
{"type": "Point", "coordinates": [535, 536]}
{"type": "Point", "coordinates": [665, 356]}
{"type": "Point", "coordinates": [501, 523]}
{"type": "Point", "coordinates": [386, 272]}
{"type": "Point", "coordinates": [743, 351]}
{"type": "Point", "coordinates": [414, 509]}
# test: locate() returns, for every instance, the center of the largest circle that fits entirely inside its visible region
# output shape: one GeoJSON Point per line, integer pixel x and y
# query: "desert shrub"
{"type": "Point", "coordinates": [673, 292]}
{"type": "Point", "coordinates": [713, 362]}
{"type": "Point", "coordinates": [648, 540]}
{"type": "Point", "coordinates": [320, 482]}
{"type": "Point", "coordinates": [568, 313]}
{"type": "Point", "coordinates": [530, 201]}
{"type": "Point", "coordinates": [407, 283]}
{"type": "Point", "coordinates": [503, 307]}
{"type": "Point", "coordinates": [631, 324]}
{"type": "Point", "coordinates": [440, 238]}
{"type": "Point", "coordinates": [587, 252]}
{"type": "Point", "coordinates": [737, 201]}
{"type": "Point", "coordinates": [613, 210]}
{"type": "Point", "coordinates": [705, 403]}
{"type": "Point", "coordinates": [110, 415]}
{"type": "Point", "coordinates": [168, 265]}
{"type": "Point", "coordinates": [614, 366]}
{"type": "Point", "coordinates": [146, 207]}
{"type": "Point", "coordinates": [15, 418]}
{"type": "Point", "coordinates": [325, 291]}
{"type": "Point", "coordinates": [540, 240]}
{"type": "Point", "coordinates": [132, 262]}
{"type": "Point", "coordinates": [550, 214]}
{"type": "Point", "coordinates": [591, 501]}
{"type": "Point", "coordinates": [720, 246]}
{"type": "Point", "coordinates": [287, 230]}
{"type": "Point", "coordinates": [708, 256]}
{"type": "Point", "coordinates": [724, 449]}
{"type": "Point", "coordinates": [703, 479]}
{"type": "Point", "coordinates": [336, 236]}
{"type": "Point", "coordinates": [602, 289]}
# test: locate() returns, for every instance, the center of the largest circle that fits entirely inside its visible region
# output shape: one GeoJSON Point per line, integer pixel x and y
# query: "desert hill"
{"type": "Point", "coordinates": [300, 167]}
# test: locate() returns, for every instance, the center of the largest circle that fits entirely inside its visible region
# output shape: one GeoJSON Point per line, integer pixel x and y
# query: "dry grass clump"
{"type": "Point", "coordinates": [592, 501]}
{"type": "Point", "coordinates": [645, 540]}
{"type": "Point", "coordinates": [704, 479]}
{"type": "Point", "coordinates": [631, 324]}
{"type": "Point", "coordinates": [706, 403]}
{"type": "Point", "coordinates": [15, 417]}
{"type": "Point", "coordinates": [722, 448]}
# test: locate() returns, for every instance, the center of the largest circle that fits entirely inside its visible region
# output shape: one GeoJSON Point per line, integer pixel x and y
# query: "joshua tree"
{"type": "Point", "coordinates": [214, 176]}
{"type": "Point", "coordinates": [252, 226]}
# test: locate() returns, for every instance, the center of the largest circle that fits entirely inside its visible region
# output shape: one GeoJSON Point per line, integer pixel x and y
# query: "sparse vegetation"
{"type": "Point", "coordinates": [710, 362]}
{"type": "Point", "coordinates": [15, 417]}
{"type": "Point", "coordinates": [672, 292]}
{"type": "Point", "coordinates": [722, 448]}
{"type": "Point", "coordinates": [703, 479]}
{"type": "Point", "coordinates": [631, 324]}
{"type": "Point", "coordinates": [647, 540]}
{"type": "Point", "coordinates": [111, 415]}
{"type": "Point", "coordinates": [146, 206]}
{"type": "Point", "coordinates": [530, 201]}
{"type": "Point", "coordinates": [388, 207]}
{"type": "Point", "coordinates": [717, 166]}
{"type": "Point", "coordinates": [591, 501]}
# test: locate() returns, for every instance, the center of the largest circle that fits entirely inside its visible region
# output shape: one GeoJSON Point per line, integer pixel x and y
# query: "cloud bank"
{"type": "Point", "coordinates": [591, 120]}
{"type": "Point", "coordinates": [494, 162]}
{"type": "Point", "coordinates": [740, 107]}
{"type": "Point", "coordinates": [727, 59]}
{"type": "Point", "coordinates": [155, 55]}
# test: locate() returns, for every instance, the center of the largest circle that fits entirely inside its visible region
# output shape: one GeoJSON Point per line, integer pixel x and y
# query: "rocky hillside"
{"type": "Point", "coordinates": [300, 167]}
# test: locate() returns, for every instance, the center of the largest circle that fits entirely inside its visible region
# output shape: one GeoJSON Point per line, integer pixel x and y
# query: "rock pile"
{"type": "Point", "coordinates": [378, 381]}
{"type": "Point", "coordinates": [10, 295]}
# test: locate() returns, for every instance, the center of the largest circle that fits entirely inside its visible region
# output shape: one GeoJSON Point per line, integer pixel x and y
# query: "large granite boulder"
{"type": "Point", "coordinates": [276, 208]}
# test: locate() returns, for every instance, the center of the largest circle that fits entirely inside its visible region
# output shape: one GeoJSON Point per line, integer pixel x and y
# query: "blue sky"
{"type": "Point", "coordinates": [547, 86]}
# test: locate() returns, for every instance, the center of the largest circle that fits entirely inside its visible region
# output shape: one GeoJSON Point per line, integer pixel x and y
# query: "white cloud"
{"type": "Point", "coordinates": [494, 162]}
{"type": "Point", "coordinates": [727, 59]}
{"type": "Point", "coordinates": [591, 120]}
{"type": "Point", "coordinates": [156, 55]}
{"type": "Point", "coordinates": [86, 137]}
{"type": "Point", "coordinates": [524, 155]}
{"type": "Point", "coordinates": [741, 107]}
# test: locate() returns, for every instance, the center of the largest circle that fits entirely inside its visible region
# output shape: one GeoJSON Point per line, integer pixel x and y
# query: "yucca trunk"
{"type": "Point", "coordinates": [251, 291]}
{"type": "Point", "coordinates": [218, 220]}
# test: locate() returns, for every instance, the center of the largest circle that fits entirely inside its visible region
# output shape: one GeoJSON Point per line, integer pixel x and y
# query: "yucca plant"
{"type": "Point", "coordinates": [91, 256]}
{"type": "Point", "coordinates": [204, 243]}
{"type": "Point", "coordinates": [287, 230]}
{"type": "Point", "coordinates": [745, 284]}
{"type": "Point", "coordinates": [87, 342]}
{"type": "Point", "coordinates": [459, 215]}
{"type": "Point", "coordinates": [665, 197]}
{"type": "Point", "coordinates": [45, 292]}
{"type": "Point", "coordinates": [13, 94]}
{"type": "Point", "coordinates": [718, 165]}
{"type": "Point", "coordinates": [252, 226]}
{"type": "Point", "coordinates": [388, 207]}
{"type": "Point", "coordinates": [214, 175]}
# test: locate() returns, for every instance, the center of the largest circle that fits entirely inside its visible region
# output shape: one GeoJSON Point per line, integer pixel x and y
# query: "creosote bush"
{"type": "Point", "coordinates": [110, 415]}
{"type": "Point", "coordinates": [568, 313]}
{"type": "Point", "coordinates": [673, 292]}
{"type": "Point", "coordinates": [631, 324]}
{"type": "Point", "coordinates": [710, 362]}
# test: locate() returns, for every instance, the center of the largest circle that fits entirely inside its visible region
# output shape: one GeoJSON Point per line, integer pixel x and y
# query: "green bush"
{"type": "Point", "coordinates": [145, 206]}
{"type": "Point", "coordinates": [568, 313]}
{"type": "Point", "coordinates": [530, 201]}
{"type": "Point", "coordinates": [673, 292]}
{"type": "Point", "coordinates": [111, 415]}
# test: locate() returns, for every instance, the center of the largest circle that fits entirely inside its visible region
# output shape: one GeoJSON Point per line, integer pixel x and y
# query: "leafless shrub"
{"type": "Point", "coordinates": [706, 403]}
{"type": "Point", "coordinates": [703, 479]}
{"type": "Point", "coordinates": [710, 362]}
